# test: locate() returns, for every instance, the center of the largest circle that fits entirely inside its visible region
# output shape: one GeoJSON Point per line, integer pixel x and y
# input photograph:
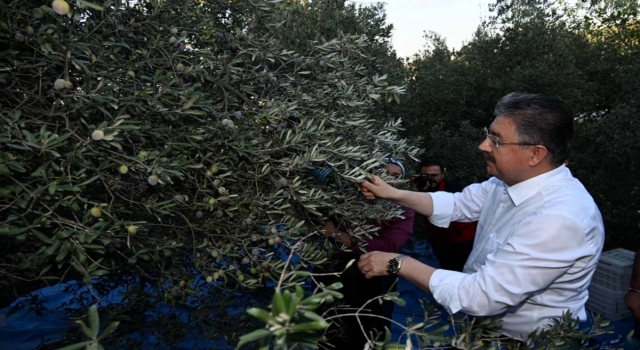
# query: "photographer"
{"type": "Point", "coordinates": [451, 245]}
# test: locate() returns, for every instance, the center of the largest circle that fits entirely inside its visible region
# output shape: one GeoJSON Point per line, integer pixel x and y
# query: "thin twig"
{"type": "Point", "coordinates": [228, 87]}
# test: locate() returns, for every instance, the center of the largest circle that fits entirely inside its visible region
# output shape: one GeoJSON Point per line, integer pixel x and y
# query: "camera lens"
{"type": "Point", "coordinates": [422, 180]}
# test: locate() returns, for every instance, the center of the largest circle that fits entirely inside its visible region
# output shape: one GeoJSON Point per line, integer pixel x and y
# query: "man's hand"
{"type": "Point", "coordinates": [632, 299]}
{"type": "Point", "coordinates": [375, 263]}
{"type": "Point", "coordinates": [377, 189]}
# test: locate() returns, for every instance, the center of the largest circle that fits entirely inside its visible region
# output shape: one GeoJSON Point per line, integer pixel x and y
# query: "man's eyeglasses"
{"type": "Point", "coordinates": [497, 142]}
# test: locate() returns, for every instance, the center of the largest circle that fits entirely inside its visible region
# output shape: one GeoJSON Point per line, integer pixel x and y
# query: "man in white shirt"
{"type": "Point", "coordinates": [539, 235]}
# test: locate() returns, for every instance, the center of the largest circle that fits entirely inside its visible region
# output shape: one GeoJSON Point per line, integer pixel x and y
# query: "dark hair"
{"type": "Point", "coordinates": [431, 161]}
{"type": "Point", "coordinates": [540, 120]}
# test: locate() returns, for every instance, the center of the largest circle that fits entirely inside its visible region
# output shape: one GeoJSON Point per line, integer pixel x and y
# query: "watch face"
{"type": "Point", "coordinates": [392, 267]}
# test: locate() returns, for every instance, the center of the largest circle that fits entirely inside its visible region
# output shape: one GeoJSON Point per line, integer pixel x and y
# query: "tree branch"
{"type": "Point", "coordinates": [228, 87]}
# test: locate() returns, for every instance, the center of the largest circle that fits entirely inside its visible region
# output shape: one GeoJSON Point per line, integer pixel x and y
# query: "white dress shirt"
{"type": "Point", "coordinates": [536, 248]}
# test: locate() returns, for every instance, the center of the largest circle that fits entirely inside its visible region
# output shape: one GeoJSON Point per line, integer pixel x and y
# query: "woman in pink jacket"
{"type": "Point", "coordinates": [346, 332]}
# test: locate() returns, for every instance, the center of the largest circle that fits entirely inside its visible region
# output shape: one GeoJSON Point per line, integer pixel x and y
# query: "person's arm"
{"type": "Point", "coordinates": [464, 206]}
{"type": "Point", "coordinates": [541, 250]}
{"type": "Point", "coordinates": [632, 299]}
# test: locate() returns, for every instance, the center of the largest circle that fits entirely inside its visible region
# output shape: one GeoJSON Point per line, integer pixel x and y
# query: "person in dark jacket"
{"type": "Point", "coordinates": [346, 332]}
{"type": "Point", "coordinates": [451, 245]}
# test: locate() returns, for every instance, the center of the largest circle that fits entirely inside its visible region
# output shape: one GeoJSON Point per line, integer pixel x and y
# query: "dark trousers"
{"type": "Point", "coordinates": [346, 332]}
{"type": "Point", "coordinates": [454, 256]}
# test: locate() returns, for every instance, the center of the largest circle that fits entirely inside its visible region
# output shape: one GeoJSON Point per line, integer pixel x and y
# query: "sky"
{"type": "Point", "coordinates": [455, 20]}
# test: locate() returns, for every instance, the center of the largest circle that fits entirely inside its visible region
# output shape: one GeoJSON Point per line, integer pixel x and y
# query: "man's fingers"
{"type": "Point", "coordinates": [370, 182]}
{"type": "Point", "coordinates": [367, 187]}
{"type": "Point", "coordinates": [362, 262]}
{"type": "Point", "coordinates": [368, 194]}
{"type": "Point", "coordinates": [365, 266]}
{"type": "Point", "coordinates": [368, 272]}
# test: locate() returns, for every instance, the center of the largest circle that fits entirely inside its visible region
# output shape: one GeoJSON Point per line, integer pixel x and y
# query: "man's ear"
{"type": "Point", "coordinates": [538, 155]}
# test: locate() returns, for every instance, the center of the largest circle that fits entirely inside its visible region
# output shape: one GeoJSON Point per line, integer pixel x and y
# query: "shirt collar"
{"type": "Point", "coordinates": [522, 191]}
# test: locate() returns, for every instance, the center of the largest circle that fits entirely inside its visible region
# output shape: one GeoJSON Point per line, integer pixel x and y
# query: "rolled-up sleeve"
{"type": "Point", "coordinates": [539, 251]}
{"type": "Point", "coordinates": [443, 203]}
{"type": "Point", "coordinates": [463, 206]}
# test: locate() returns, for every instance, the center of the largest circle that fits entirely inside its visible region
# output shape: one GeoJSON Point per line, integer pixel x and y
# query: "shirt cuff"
{"type": "Point", "coordinates": [444, 287]}
{"type": "Point", "coordinates": [442, 208]}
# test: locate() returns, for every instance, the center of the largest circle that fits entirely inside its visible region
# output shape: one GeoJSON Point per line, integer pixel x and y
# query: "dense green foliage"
{"type": "Point", "coordinates": [588, 57]}
{"type": "Point", "coordinates": [168, 146]}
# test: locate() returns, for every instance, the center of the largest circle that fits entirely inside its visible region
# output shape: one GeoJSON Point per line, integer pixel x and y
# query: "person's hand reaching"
{"type": "Point", "coordinates": [331, 231]}
{"type": "Point", "coordinates": [377, 188]}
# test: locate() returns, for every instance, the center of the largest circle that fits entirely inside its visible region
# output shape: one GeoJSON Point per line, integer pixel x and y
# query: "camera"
{"type": "Point", "coordinates": [422, 180]}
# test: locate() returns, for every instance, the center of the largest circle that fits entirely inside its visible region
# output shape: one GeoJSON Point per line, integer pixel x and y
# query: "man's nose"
{"type": "Point", "coordinates": [485, 146]}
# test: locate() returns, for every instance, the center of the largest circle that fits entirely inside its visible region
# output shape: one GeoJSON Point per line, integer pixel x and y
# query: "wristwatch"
{"type": "Point", "coordinates": [393, 266]}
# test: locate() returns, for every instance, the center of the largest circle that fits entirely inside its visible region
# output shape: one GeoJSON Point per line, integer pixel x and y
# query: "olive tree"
{"type": "Point", "coordinates": [177, 150]}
